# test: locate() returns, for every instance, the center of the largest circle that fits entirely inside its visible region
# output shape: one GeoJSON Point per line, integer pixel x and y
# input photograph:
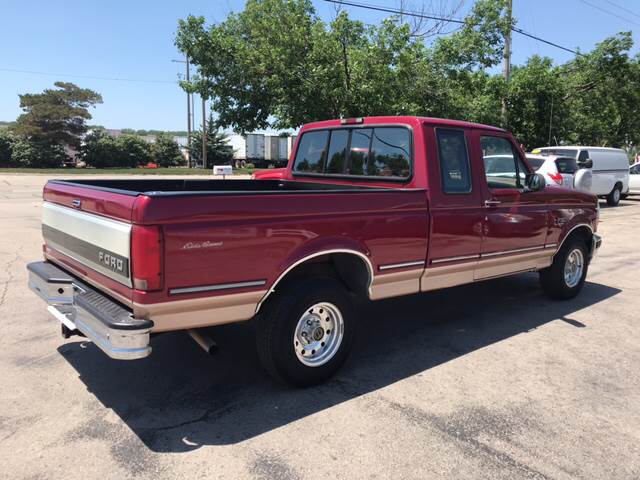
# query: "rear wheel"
{"type": "Point", "coordinates": [566, 275]}
{"type": "Point", "coordinates": [614, 197]}
{"type": "Point", "coordinates": [304, 335]}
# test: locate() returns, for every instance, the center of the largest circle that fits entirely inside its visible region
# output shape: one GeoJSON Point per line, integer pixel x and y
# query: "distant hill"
{"type": "Point", "coordinates": [5, 124]}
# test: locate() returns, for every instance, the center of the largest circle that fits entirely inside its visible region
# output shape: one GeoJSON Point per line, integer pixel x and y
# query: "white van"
{"type": "Point", "coordinates": [603, 171]}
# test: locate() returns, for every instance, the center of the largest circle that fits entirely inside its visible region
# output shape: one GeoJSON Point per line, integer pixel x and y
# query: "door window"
{"type": "Point", "coordinates": [503, 167]}
{"type": "Point", "coordinates": [454, 161]}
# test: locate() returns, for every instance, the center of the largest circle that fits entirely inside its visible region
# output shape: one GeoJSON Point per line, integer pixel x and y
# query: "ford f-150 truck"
{"type": "Point", "coordinates": [367, 209]}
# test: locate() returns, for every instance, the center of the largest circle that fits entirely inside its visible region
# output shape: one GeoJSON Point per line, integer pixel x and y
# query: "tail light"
{"type": "Point", "coordinates": [556, 177]}
{"type": "Point", "coordinates": [146, 257]}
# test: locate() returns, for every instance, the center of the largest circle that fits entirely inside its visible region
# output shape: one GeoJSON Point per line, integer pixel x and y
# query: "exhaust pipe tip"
{"type": "Point", "coordinates": [204, 341]}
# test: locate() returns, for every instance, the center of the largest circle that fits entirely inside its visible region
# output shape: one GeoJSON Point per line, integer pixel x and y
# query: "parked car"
{"type": "Point", "coordinates": [608, 175]}
{"type": "Point", "coordinates": [367, 209]}
{"type": "Point", "coordinates": [556, 170]}
{"type": "Point", "coordinates": [634, 179]}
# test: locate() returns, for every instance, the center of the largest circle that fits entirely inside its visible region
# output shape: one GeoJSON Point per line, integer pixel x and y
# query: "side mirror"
{"type": "Point", "coordinates": [535, 182]}
{"type": "Point", "coordinates": [588, 163]}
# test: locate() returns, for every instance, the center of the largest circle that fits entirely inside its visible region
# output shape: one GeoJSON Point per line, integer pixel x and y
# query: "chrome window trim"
{"type": "Point", "coordinates": [361, 255]}
{"type": "Point", "coordinates": [401, 265]}
{"type": "Point", "coordinates": [219, 286]}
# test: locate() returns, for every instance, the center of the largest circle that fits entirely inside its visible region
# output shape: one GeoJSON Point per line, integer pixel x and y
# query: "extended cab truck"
{"type": "Point", "coordinates": [368, 208]}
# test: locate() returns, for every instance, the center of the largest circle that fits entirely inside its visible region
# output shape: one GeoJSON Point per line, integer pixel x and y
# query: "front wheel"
{"type": "Point", "coordinates": [566, 275]}
{"type": "Point", "coordinates": [304, 335]}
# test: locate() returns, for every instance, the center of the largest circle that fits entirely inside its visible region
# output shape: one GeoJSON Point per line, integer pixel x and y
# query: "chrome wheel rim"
{"type": "Point", "coordinates": [318, 334]}
{"type": "Point", "coordinates": [616, 195]}
{"type": "Point", "coordinates": [573, 267]}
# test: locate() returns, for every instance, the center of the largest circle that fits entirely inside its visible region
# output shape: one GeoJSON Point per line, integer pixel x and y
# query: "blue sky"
{"type": "Point", "coordinates": [134, 40]}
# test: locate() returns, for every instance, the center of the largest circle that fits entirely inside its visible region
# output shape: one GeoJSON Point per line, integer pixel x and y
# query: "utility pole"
{"type": "Point", "coordinates": [506, 65]}
{"type": "Point", "coordinates": [189, 108]}
{"type": "Point", "coordinates": [204, 132]}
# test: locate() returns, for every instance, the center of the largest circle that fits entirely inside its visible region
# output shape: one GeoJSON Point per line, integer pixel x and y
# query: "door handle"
{"type": "Point", "coordinates": [492, 203]}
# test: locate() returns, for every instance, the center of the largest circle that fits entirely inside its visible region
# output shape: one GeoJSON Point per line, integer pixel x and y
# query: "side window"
{"type": "Point", "coordinates": [310, 154]}
{"type": "Point", "coordinates": [359, 151]}
{"type": "Point", "coordinates": [454, 161]}
{"type": "Point", "coordinates": [584, 155]}
{"type": "Point", "coordinates": [337, 151]}
{"type": "Point", "coordinates": [635, 170]}
{"type": "Point", "coordinates": [503, 167]}
{"type": "Point", "coordinates": [566, 165]}
{"type": "Point", "coordinates": [390, 153]}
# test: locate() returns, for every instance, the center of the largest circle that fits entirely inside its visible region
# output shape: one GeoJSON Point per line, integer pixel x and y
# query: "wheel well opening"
{"type": "Point", "coordinates": [582, 232]}
{"type": "Point", "coordinates": [353, 271]}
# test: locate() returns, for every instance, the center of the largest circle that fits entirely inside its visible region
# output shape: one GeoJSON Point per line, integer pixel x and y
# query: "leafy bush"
{"type": "Point", "coordinates": [31, 154]}
{"type": "Point", "coordinates": [100, 150]}
{"type": "Point", "coordinates": [166, 152]}
{"type": "Point", "coordinates": [7, 139]}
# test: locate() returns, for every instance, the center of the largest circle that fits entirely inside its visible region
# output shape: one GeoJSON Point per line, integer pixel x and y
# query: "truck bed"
{"type": "Point", "coordinates": [164, 187]}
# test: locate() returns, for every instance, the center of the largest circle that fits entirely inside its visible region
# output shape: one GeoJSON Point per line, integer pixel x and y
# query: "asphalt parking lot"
{"type": "Point", "coordinates": [490, 380]}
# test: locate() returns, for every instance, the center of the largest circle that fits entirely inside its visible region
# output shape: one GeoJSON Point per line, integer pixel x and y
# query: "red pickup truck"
{"type": "Point", "coordinates": [367, 209]}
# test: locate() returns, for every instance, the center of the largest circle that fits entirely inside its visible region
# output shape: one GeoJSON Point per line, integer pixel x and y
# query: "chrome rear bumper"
{"type": "Point", "coordinates": [79, 307]}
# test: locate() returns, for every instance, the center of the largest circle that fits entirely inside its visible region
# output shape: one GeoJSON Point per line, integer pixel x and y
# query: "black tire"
{"type": "Point", "coordinates": [613, 199]}
{"type": "Point", "coordinates": [552, 279]}
{"type": "Point", "coordinates": [276, 328]}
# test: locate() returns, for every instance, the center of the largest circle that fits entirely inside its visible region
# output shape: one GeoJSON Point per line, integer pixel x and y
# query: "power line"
{"type": "Point", "coordinates": [399, 12]}
{"type": "Point", "coordinates": [622, 8]}
{"type": "Point", "coordinates": [89, 77]}
{"type": "Point", "coordinates": [608, 12]}
{"type": "Point", "coordinates": [446, 19]}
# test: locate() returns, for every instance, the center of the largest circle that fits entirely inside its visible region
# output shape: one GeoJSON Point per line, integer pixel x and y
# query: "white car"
{"type": "Point", "coordinates": [556, 170]}
{"type": "Point", "coordinates": [634, 178]}
{"type": "Point", "coordinates": [603, 171]}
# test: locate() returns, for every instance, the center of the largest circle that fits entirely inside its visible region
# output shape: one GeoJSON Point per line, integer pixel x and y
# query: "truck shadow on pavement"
{"type": "Point", "coordinates": [179, 399]}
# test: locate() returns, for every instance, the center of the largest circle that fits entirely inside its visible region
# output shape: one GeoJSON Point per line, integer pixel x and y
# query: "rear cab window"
{"type": "Point", "coordinates": [365, 152]}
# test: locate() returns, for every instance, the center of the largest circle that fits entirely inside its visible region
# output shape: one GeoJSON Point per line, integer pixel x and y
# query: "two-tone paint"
{"type": "Point", "coordinates": [224, 255]}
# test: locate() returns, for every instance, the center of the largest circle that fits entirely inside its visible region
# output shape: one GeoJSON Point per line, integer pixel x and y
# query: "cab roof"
{"type": "Point", "coordinates": [410, 120]}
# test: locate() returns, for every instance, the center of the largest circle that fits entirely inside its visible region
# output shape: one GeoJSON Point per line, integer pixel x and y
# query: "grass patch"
{"type": "Point", "coordinates": [120, 171]}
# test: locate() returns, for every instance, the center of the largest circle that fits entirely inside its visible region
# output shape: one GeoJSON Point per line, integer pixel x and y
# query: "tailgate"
{"type": "Point", "coordinates": [91, 228]}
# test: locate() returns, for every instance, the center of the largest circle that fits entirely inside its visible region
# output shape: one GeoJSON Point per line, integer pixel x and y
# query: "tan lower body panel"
{"type": "Point", "coordinates": [396, 284]}
{"type": "Point", "coordinates": [434, 278]}
{"type": "Point", "coordinates": [200, 312]}
{"type": "Point", "coordinates": [507, 264]}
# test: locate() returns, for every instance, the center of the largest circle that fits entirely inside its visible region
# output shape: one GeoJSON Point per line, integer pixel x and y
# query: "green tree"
{"type": "Point", "coordinates": [604, 94]}
{"type": "Point", "coordinates": [219, 152]}
{"type": "Point", "coordinates": [56, 117]}
{"type": "Point", "coordinates": [166, 152]}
